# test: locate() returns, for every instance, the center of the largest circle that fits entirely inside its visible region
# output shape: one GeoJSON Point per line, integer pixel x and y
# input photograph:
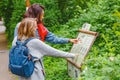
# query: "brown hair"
{"type": "Point", "coordinates": [34, 11]}
{"type": "Point", "coordinates": [27, 28]}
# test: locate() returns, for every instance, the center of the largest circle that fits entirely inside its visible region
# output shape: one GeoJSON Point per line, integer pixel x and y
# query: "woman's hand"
{"type": "Point", "coordinates": [75, 41]}
{"type": "Point", "coordinates": [76, 55]}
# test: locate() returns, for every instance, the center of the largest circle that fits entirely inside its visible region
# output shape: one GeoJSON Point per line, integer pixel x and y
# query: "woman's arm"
{"type": "Point", "coordinates": [44, 49]}
{"type": "Point", "coordinates": [54, 39]}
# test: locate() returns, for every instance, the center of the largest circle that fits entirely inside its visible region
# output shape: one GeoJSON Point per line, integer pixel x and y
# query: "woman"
{"type": "Point", "coordinates": [37, 11]}
{"type": "Point", "coordinates": [36, 48]}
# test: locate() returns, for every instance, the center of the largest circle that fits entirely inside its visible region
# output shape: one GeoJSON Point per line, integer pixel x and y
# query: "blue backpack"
{"type": "Point", "coordinates": [20, 61]}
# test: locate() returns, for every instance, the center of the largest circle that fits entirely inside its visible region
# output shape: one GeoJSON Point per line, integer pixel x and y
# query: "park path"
{"type": "Point", "coordinates": [4, 52]}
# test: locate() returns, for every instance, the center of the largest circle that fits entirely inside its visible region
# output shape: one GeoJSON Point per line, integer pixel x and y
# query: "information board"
{"type": "Point", "coordinates": [82, 48]}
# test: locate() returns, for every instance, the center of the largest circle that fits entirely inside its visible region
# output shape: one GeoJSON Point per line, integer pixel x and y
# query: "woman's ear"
{"type": "Point", "coordinates": [42, 15]}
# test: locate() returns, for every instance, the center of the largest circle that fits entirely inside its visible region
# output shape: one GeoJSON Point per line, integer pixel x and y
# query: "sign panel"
{"type": "Point", "coordinates": [82, 48]}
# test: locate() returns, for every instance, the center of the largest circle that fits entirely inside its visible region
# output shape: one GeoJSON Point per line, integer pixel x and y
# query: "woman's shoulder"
{"type": "Point", "coordinates": [35, 40]}
{"type": "Point", "coordinates": [18, 23]}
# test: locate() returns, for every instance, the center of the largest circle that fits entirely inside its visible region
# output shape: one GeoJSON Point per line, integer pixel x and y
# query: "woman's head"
{"type": "Point", "coordinates": [35, 11]}
{"type": "Point", "coordinates": [27, 28]}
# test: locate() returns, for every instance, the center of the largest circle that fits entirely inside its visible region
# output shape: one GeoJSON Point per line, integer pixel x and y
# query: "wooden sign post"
{"type": "Point", "coordinates": [27, 2]}
{"type": "Point", "coordinates": [82, 48]}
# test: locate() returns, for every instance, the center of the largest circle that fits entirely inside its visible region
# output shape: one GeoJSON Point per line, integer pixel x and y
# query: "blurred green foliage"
{"type": "Point", "coordinates": [64, 18]}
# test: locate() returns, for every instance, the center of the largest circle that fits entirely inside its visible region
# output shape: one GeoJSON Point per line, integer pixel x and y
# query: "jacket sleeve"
{"type": "Point", "coordinates": [40, 47]}
{"type": "Point", "coordinates": [54, 39]}
{"type": "Point", "coordinates": [16, 30]}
